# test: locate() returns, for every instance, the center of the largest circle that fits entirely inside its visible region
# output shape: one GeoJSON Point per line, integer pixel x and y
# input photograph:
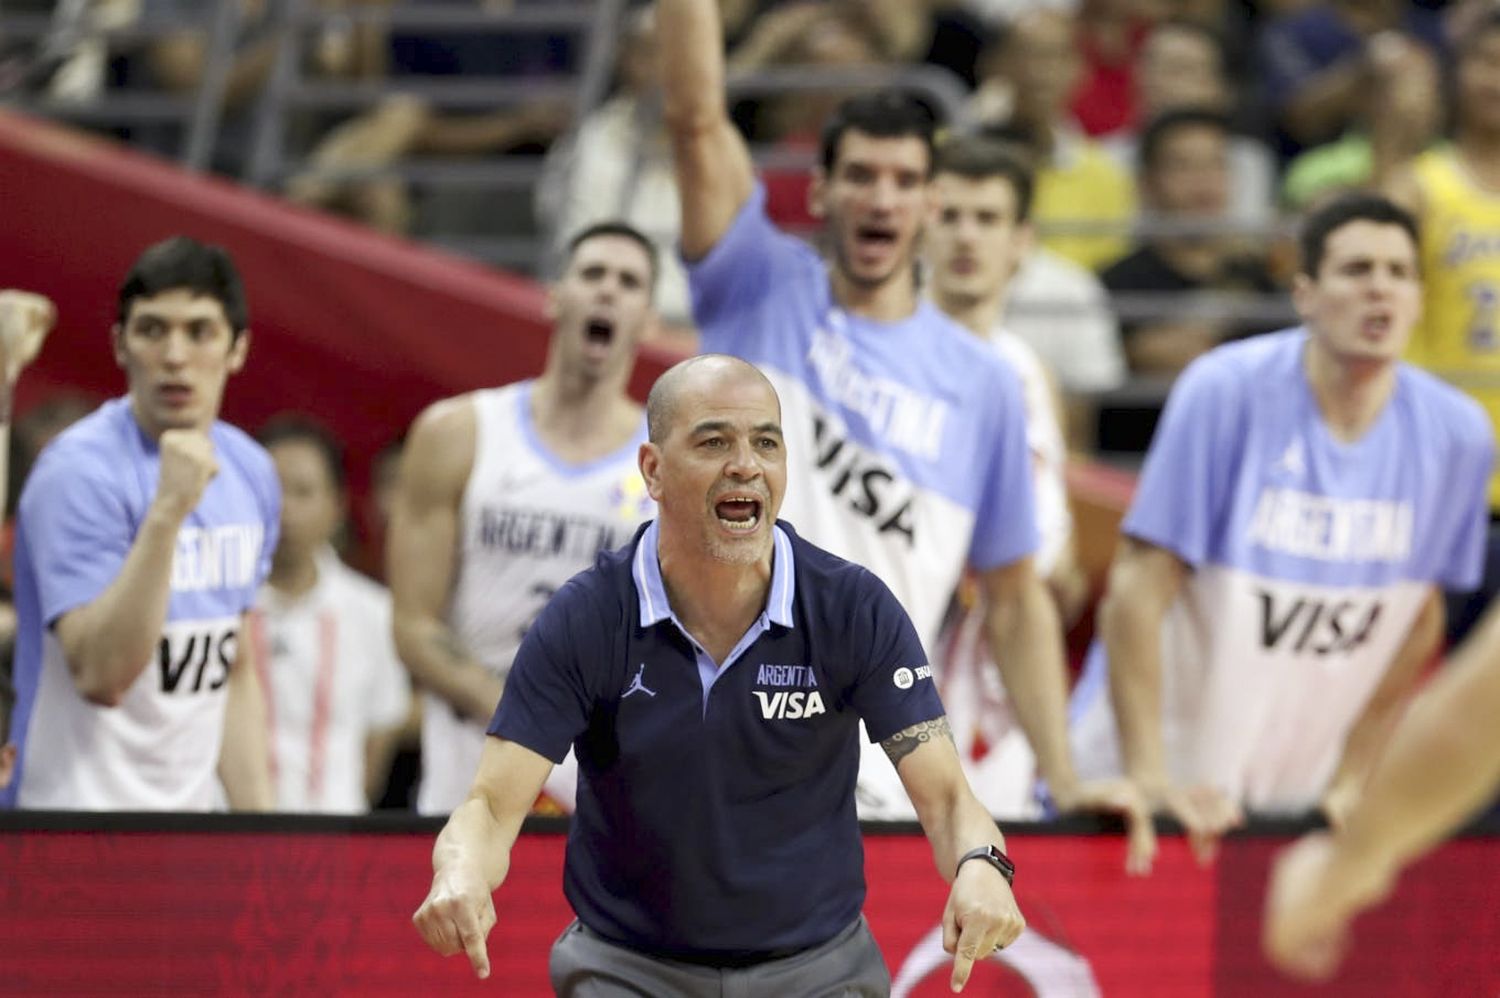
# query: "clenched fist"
{"type": "Point", "coordinates": [187, 466]}
{"type": "Point", "coordinates": [25, 321]}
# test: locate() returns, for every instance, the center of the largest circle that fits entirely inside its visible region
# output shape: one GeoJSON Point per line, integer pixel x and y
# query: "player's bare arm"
{"type": "Point", "coordinates": [472, 854]}
{"type": "Point", "coordinates": [1373, 726]}
{"type": "Point", "coordinates": [981, 914]}
{"type": "Point", "coordinates": [244, 755]}
{"type": "Point", "coordinates": [714, 172]}
{"type": "Point", "coordinates": [1143, 583]}
{"type": "Point", "coordinates": [422, 558]}
{"type": "Point", "coordinates": [109, 641]}
{"type": "Point", "coordinates": [1025, 641]}
{"type": "Point", "coordinates": [1442, 764]}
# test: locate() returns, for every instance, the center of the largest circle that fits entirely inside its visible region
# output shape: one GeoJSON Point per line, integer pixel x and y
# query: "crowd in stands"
{"type": "Point", "coordinates": [1171, 141]}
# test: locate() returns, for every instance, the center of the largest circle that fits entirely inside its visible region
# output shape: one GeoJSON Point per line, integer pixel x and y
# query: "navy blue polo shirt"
{"type": "Point", "coordinates": [715, 818]}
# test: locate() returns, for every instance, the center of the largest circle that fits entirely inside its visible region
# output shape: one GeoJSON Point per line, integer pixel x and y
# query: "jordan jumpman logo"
{"type": "Point", "coordinates": [638, 685]}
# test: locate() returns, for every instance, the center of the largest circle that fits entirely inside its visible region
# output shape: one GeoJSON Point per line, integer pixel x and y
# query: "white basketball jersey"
{"type": "Point", "coordinates": [527, 524]}
{"type": "Point", "coordinates": [330, 676]}
{"type": "Point", "coordinates": [1049, 451]}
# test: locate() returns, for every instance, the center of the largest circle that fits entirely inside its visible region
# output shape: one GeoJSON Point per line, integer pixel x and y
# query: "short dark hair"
{"type": "Point", "coordinates": [294, 427]}
{"type": "Point", "coordinates": [616, 227]}
{"type": "Point", "coordinates": [1339, 211]}
{"type": "Point", "coordinates": [182, 262]}
{"type": "Point", "coordinates": [978, 158]}
{"type": "Point", "coordinates": [1160, 128]}
{"type": "Point", "coordinates": [884, 114]}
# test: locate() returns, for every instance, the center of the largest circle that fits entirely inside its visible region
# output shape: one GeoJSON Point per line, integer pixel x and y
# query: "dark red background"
{"type": "Point", "coordinates": [310, 909]}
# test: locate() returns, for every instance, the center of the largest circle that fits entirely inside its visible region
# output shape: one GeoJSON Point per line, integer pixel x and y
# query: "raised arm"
{"type": "Point", "coordinates": [472, 854]}
{"type": "Point", "coordinates": [1143, 583]}
{"type": "Point", "coordinates": [714, 172]}
{"type": "Point", "coordinates": [422, 558]}
{"type": "Point", "coordinates": [109, 641]}
{"type": "Point", "coordinates": [1442, 765]}
{"type": "Point", "coordinates": [981, 915]}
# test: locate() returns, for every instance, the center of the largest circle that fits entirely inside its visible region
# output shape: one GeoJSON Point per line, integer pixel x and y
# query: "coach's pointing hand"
{"type": "Point", "coordinates": [457, 916]}
{"type": "Point", "coordinates": [980, 918]}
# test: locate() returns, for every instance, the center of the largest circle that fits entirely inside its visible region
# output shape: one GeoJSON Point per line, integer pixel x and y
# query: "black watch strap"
{"type": "Point", "coordinates": [993, 856]}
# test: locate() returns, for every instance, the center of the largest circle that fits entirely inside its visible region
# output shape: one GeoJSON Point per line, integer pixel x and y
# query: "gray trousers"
{"type": "Point", "coordinates": [849, 965]}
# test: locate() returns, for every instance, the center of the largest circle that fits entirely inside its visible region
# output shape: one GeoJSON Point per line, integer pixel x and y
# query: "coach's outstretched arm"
{"type": "Point", "coordinates": [421, 559]}
{"type": "Point", "coordinates": [1143, 583]}
{"type": "Point", "coordinates": [981, 915]}
{"type": "Point", "coordinates": [472, 855]}
{"type": "Point", "coordinates": [1441, 766]}
{"type": "Point", "coordinates": [714, 172]}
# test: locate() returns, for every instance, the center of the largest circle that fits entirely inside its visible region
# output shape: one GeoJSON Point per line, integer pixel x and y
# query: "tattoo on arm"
{"type": "Point", "coordinates": [904, 743]}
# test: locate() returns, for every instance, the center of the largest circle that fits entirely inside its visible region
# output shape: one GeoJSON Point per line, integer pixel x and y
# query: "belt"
{"type": "Point", "coordinates": [739, 960]}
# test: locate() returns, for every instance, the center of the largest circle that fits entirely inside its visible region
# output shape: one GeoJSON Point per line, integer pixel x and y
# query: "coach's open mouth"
{"type": "Point", "coordinates": [738, 513]}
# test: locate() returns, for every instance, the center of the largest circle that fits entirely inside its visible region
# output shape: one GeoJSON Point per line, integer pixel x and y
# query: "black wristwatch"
{"type": "Point", "coordinates": [992, 856]}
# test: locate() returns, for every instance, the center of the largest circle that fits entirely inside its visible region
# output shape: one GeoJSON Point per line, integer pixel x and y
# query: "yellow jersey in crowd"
{"type": "Point", "coordinates": [1459, 336]}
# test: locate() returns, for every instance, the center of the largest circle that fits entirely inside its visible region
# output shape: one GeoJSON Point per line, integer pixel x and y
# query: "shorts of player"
{"type": "Point", "coordinates": [584, 965]}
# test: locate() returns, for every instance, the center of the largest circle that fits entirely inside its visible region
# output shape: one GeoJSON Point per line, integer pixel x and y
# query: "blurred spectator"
{"type": "Point", "coordinates": [1184, 176]}
{"type": "Point", "coordinates": [1182, 65]}
{"type": "Point", "coordinates": [912, 32]}
{"type": "Point", "coordinates": [1401, 115]}
{"type": "Point", "coordinates": [397, 128]}
{"type": "Point", "coordinates": [800, 34]}
{"type": "Point", "coordinates": [1062, 311]}
{"type": "Point", "coordinates": [176, 63]}
{"type": "Point", "coordinates": [1316, 64]}
{"type": "Point", "coordinates": [1455, 191]}
{"type": "Point", "coordinates": [335, 691]}
{"type": "Point", "coordinates": [1110, 36]}
{"type": "Point", "coordinates": [374, 514]}
{"type": "Point", "coordinates": [618, 163]}
{"type": "Point", "coordinates": [506, 50]}
{"type": "Point", "coordinates": [71, 63]}
{"type": "Point", "coordinates": [1082, 195]}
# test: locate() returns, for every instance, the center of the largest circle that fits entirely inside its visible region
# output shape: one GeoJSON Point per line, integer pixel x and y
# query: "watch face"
{"type": "Point", "coordinates": [992, 855]}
